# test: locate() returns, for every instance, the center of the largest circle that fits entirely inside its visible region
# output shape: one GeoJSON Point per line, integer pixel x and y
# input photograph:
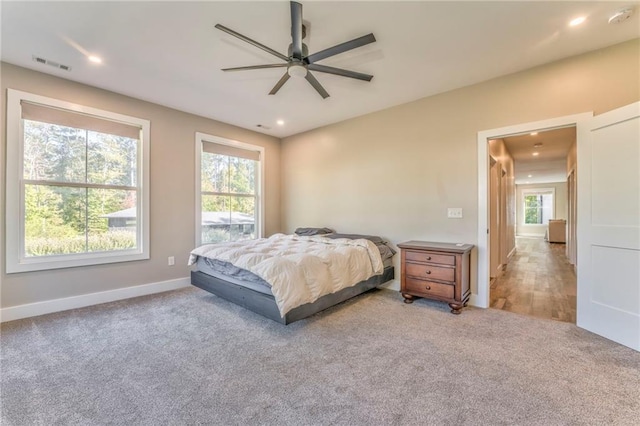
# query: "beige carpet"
{"type": "Point", "coordinates": [188, 357]}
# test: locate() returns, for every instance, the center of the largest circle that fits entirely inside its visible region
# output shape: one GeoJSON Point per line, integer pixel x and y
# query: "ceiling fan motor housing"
{"type": "Point", "coordinates": [305, 50]}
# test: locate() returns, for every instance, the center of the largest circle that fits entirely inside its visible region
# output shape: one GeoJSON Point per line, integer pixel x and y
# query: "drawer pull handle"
{"type": "Point", "coordinates": [428, 272]}
{"type": "Point", "coordinates": [428, 257]}
{"type": "Point", "coordinates": [428, 287]}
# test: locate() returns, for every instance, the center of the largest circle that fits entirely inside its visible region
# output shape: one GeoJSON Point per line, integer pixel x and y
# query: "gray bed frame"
{"type": "Point", "coordinates": [265, 304]}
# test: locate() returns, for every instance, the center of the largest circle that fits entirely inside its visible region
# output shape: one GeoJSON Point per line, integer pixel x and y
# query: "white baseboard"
{"type": "Point", "coordinates": [511, 253]}
{"type": "Point", "coordinates": [56, 305]}
{"type": "Point", "coordinates": [391, 285]}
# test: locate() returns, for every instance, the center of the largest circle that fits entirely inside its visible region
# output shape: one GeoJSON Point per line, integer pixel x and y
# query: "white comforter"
{"type": "Point", "coordinates": [300, 269]}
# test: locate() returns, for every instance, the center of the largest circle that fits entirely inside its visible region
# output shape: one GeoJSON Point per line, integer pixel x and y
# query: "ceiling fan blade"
{"type": "Point", "coordinates": [255, 67]}
{"type": "Point", "coordinates": [316, 85]}
{"type": "Point", "coordinates": [296, 29]}
{"type": "Point", "coordinates": [279, 84]}
{"type": "Point", "coordinates": [253, 42]}
{"type": "Point", "coordinates": [340, 71]}
{"type": "Point", "coordinates": [340, 48]}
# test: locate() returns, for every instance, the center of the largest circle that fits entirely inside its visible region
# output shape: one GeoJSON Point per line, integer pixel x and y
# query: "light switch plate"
{"type": "Point", "coordinates": [454, 212]}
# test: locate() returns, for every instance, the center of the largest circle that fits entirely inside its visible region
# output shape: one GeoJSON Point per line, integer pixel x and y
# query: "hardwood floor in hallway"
{"type": "Point", "coordinates": [538, 281]}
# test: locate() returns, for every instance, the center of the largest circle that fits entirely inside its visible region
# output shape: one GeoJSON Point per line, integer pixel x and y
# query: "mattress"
{"type": "Point", "coordinates": [226, 271]}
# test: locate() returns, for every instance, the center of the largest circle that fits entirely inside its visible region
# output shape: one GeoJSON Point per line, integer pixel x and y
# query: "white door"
{"type": "Point", "coordinates": [609, 225]}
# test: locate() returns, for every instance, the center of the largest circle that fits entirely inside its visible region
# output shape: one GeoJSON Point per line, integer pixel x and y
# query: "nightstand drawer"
{"type": "Point", "coordinates": [425, 256]}
{"type": "Point", "coordinates": [428, 288]}
{"type": "Point", "coordinates": [430, 272]}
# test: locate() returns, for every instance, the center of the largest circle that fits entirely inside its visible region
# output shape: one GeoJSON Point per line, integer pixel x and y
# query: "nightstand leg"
{"type": "Point", "coordinates": [455, 308]}
{"type": "Point", "coordinates": [408, 298]}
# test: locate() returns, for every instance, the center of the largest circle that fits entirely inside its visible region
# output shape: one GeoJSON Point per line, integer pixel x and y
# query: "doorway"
{"type": "Point", "coordinates": [481, 297]}
{"type": "Point", "coordinates": [537, 279]}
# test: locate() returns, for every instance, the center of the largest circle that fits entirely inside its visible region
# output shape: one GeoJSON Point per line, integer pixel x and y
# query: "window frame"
{"type": "Point", "coordinates": [537, 191]}
{"type": "Point", "coordinates": [16, 261]}
{"type": "Point", "coordinates": [200, 138]}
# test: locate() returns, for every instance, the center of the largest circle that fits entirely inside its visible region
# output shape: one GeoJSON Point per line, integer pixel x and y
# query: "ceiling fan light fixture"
{"type": "Point", "coordinates": [297, 70]}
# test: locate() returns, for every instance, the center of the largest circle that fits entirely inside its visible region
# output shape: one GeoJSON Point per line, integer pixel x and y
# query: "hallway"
{"type": "Point", "coordinates": [538, 281]}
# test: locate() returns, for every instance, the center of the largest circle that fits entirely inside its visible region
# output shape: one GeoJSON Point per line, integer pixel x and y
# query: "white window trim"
{"type": "Point", "coordinates": [14, 227]}
{"type": "Point", "coordinates": [203, 137]}
{"type": "Point", "coordinates": [536, 190]}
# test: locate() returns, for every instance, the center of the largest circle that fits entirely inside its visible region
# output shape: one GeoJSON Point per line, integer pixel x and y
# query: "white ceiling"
{"type": "Point", "coordinates": [170, 53]}
{"type": "Point", "coordinates": [550, 165]}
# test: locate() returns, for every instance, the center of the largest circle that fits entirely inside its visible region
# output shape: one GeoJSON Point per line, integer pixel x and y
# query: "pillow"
{"type": "Point", "coordinates": [385, 251]}
{"type": "Point", "coordinates": [372, 238]}
{"type": "Point", "coordinates": [313, 231]}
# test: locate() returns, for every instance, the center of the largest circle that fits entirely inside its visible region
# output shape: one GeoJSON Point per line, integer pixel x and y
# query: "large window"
{"type": "Point", "coordinates": [229, 203]}
{"type": "Point", "coordinates": [538, 207]}
{"type": "Point", "coordinates": [77, 185]}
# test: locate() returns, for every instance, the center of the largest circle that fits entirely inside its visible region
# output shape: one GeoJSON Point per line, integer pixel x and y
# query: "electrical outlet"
{"type": "Point", "coordinates": [171, 261]}
{"type": "Point", "coordinates": [454, 213]}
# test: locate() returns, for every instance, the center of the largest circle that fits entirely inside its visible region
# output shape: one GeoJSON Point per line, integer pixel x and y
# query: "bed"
{"type": "Point", "coordinates": [289, 277]}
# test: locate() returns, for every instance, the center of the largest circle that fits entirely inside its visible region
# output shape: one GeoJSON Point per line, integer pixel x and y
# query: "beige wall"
{"type": "Point", "coordinates": [395, 172]}
{"type": "Point", "coordinates": [172, 168]}
{"type": "Point", "coordinates": [559, 203]}
{"type": "Point", "coordinates": [391, 173]}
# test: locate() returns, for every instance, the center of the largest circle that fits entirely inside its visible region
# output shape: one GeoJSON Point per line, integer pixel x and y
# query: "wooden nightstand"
{"type": "Point", "coordinates": [437, 271]}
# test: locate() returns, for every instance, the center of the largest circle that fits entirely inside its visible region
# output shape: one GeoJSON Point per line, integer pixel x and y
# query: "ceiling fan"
{"type": "Point", "coordinates": [299, 62]}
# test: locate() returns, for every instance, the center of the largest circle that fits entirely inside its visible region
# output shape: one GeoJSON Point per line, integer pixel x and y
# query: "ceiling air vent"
{"type": "Point", "coordinates": [51, 63]}
{"type": "Point", "coordinates": [262, 126]}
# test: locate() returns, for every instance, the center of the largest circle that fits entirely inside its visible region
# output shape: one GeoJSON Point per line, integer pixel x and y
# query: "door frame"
{"type": "Point", "coordinates": [481, 297]}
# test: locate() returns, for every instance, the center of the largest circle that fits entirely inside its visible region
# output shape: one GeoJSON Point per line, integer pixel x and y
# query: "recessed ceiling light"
{"type": "Point", "coordinates": [95, 59]}
{"type": "Point", "coordinates": [280, 122]}
{"type": "Point", "coordinates": [577, 21]}
{"type": "Point", "coordinates": [527, 182]}
{"type": "Point", "coordinates": [530, 176]}
{"type": "Point", "coordinates": [535, 154]}
{"type": "Point", "coordinates": [534, 133]}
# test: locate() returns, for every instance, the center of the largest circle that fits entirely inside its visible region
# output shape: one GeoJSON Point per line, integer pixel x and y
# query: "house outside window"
{"type": "Point", "coordinates": [69, 169]}
{"type": "Point", "coordinates": [228, 190]}
{"type": "Point", "coordinates": [538, 207]}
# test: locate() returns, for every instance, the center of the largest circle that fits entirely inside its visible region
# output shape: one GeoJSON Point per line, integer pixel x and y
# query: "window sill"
{"type": "Point", "coordinates": [72, 261]}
